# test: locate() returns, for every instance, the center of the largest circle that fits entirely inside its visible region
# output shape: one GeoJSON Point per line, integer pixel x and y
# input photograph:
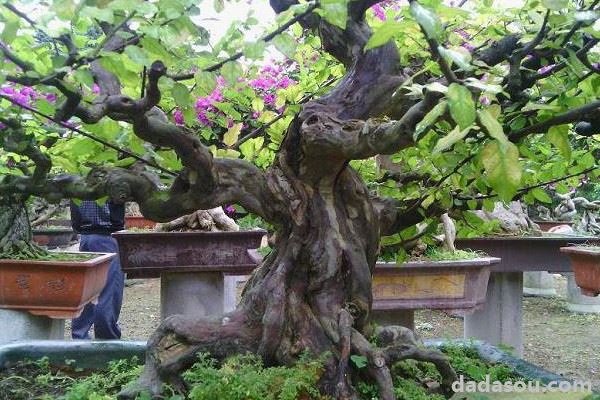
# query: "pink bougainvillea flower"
{"type": "Point", "coordinates": [178, 117]}
{"type": "Point", "coordinates": [229, 210]}
{"type": "Point", "coordinates": [546, 69]}
{"type": "Point", "coordinates": [379, 12]}
{"type": "Point", "coordinates": [468, 46]}
{"type": "Point", "coordinates": [269, 99]}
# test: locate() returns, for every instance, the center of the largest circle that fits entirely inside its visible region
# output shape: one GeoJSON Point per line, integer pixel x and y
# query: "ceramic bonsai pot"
{"type": "Point", "coordinates": [545, 226]}
{"type": "Point", "coordinates": [449, 285]}
{"type": "Point", "coordinates": [138, 222]}
{"type": "Point", "coordinates": [148, 254]}
{"type": "Point", "coordinates": [53, 238]}
{"type": "Point", "coordinates": [585, 262]}
{"type": "Point", "coordinates": [57, 289]}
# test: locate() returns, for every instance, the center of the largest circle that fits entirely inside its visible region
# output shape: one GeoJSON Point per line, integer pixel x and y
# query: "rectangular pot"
{"type": "Point", "coordinates": [448, 285]}
{"type": "Point", "coordinates": [586, 267]}
{"type": "Point", "coordinates": [148, 254]}
{"type": "Point", "coordinates": [526, 253]}
{"type": "Point", "coordinates": [57, 289]}
{"type": "Point", "coordinates": [138, 222]}
{"type": "Point", "coordinates": [53, 238]}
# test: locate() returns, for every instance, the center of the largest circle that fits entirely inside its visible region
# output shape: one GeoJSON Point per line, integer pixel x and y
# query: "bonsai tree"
{"type": "Point", "coordinates": [471, 105]}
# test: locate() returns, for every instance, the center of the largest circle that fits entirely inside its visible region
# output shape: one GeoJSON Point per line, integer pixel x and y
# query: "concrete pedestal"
{"type": "Point", "coordinates": [538, 283]}
{"type": "Point", "coordinates": [404, 318]}
{"type": "Point", "coordinates": [500, 319]}
{"type": "Point", "coordinates": [21, 325]}
{"type": "Point", "coordinates": [196, 294]}
{"type": "Point", "coordinates": [234, 285]}
{"type": "Point", "coordinates": [577, 302]}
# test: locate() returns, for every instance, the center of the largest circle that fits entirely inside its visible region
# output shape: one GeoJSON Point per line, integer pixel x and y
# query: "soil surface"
{"type": "Point", "coordinates": [554, 338]}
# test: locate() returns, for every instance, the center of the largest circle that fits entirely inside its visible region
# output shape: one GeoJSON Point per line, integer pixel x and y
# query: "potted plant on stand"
{"type": "Point", "coordinates": [38, 285]}
{"type": "Point", "coordinates": [195, 256]}
{"type": "Point", "coordinates": [585, 261]}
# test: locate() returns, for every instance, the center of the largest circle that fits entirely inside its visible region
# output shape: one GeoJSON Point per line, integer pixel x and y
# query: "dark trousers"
{"type": "Point", "coordinates": [105, 314]}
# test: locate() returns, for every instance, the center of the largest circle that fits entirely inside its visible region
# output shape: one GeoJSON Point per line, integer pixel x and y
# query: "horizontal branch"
{"type": "Point", "coordinates": [574, 115]}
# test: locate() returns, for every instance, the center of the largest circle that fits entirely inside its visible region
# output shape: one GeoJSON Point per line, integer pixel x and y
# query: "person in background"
{"type": "Point", "coordinates": [95, 224]}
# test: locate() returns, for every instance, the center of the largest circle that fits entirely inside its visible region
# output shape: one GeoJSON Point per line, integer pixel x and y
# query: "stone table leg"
{"type": "Point", "coordinates": [501, 318]}
{"type": "Point", "coordinates": [196, 294]}
{"type": "Point", "coordinates": [21, 325]}
{"type": "Point", "coordinates": [576, 302]}
{"type": "Point", "coordinates": [404, 318]}
{"type": "Point", "coordinates": [538, 283]}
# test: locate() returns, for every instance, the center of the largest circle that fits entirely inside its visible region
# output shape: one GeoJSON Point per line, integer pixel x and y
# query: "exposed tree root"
{"type": "Point", "coordinates": [175, 345]}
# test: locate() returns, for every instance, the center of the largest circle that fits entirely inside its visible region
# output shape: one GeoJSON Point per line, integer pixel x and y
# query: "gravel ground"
{"type": "Point", "coordinates": [554, 338]}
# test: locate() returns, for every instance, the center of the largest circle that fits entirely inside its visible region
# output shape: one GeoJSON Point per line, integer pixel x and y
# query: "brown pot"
{"type": "Point", "coordinates": [52, 238]}
{"type": "Point", "coordinates": [57, 289]}
{"type": "Point", "coordinates": [148, 254]}
{"type": "Point", "coordinates": [545, 226]}
{"type": "Point", "coordinates": [585, 262]}
{"type": "Point", "coordinates": [139, 222]}
{"type": "Point", "coordinates": [447, 285]}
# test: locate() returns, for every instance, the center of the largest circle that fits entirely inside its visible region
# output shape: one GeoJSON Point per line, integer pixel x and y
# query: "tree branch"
{"type": "Point", "coordinates": [573, 115]}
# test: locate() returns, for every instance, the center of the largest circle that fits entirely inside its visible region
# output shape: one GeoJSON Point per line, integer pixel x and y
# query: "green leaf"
{"type": "Point", "coordinates": [493, 127]}
{"type": "Point", "coordinates": [430, 119]}
{"type": "Point", "coordinates": [447, 141]}
{"type": "Point", "coordinates": [559, 137]}
{"type": "Point", "coordinates": [205, 81]}
{"type": "Point", "coordinates": [502, 168]}
{"type": "Point", "coordinates": [286, 44]}
{"type": "Point", "coordinates": [428, 20]}
{"type": "Point", "coordinates": [232, 134]}
{"type": "Point", "coordinates": [335, 12]}
{"type": "Point", "coordinates": [461, 105]}
{"type": "Point", "coordinates": [9, 33]}
{"type": "Point", "coordinates": [359, 361]}
{"type": "Point", "coordinates": [254, 50]}
{"type": "Point", "coordinates": [460, 58]}
{"type": "Point", "coordinates": [231, 71]}
{"type": "Point", "coordinates": [181, 95]}
{"type": "Point", "coordinates": [137, 55]}
{"type": "Point", "coordinates": [555, 5]}
{"type": "Point", "coordinates": [219, 5]}
{"type": "Point", "coordinates": [541, 195]}
{"type": "Point", "coordinates": [382, 34]}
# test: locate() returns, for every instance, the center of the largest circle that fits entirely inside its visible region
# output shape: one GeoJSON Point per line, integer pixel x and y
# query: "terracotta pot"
{"type": "Point", "coordinates": [545, 226]}
{"type": "Point", "coordinates": [448, 285]}
{"type": "Point", "coordinates": [57, 289]}
{"type": "Point", "coordinates": [585, 262]}
{"type": "Point", "coordinates": [52, 238]}
{"type": "Point", "coordinates": [148, 254]}
{"type": "Point", "coordinates": [139, 222]}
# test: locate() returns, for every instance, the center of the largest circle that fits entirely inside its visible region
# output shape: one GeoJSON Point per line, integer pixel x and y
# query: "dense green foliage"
{"type": "Point", "coordinates": [467, 156]}
{"type": "Point", "coordinates": [241, 377]}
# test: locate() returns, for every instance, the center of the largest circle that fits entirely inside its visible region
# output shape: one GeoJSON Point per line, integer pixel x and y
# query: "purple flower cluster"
{"type": "Point", "coordinates": [25, 95]}
{"type": "Point", "coordinates": [271, 78]}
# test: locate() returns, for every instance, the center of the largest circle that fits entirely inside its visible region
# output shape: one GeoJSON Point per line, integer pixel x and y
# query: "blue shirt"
{"type": "Point", "coordinates": [89, 218]}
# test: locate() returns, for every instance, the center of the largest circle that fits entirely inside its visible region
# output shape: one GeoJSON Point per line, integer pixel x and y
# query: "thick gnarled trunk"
{"type": "Point", "coordinates": [15, 230]}
{"type": "Point", "coordinates": [312, 293]}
